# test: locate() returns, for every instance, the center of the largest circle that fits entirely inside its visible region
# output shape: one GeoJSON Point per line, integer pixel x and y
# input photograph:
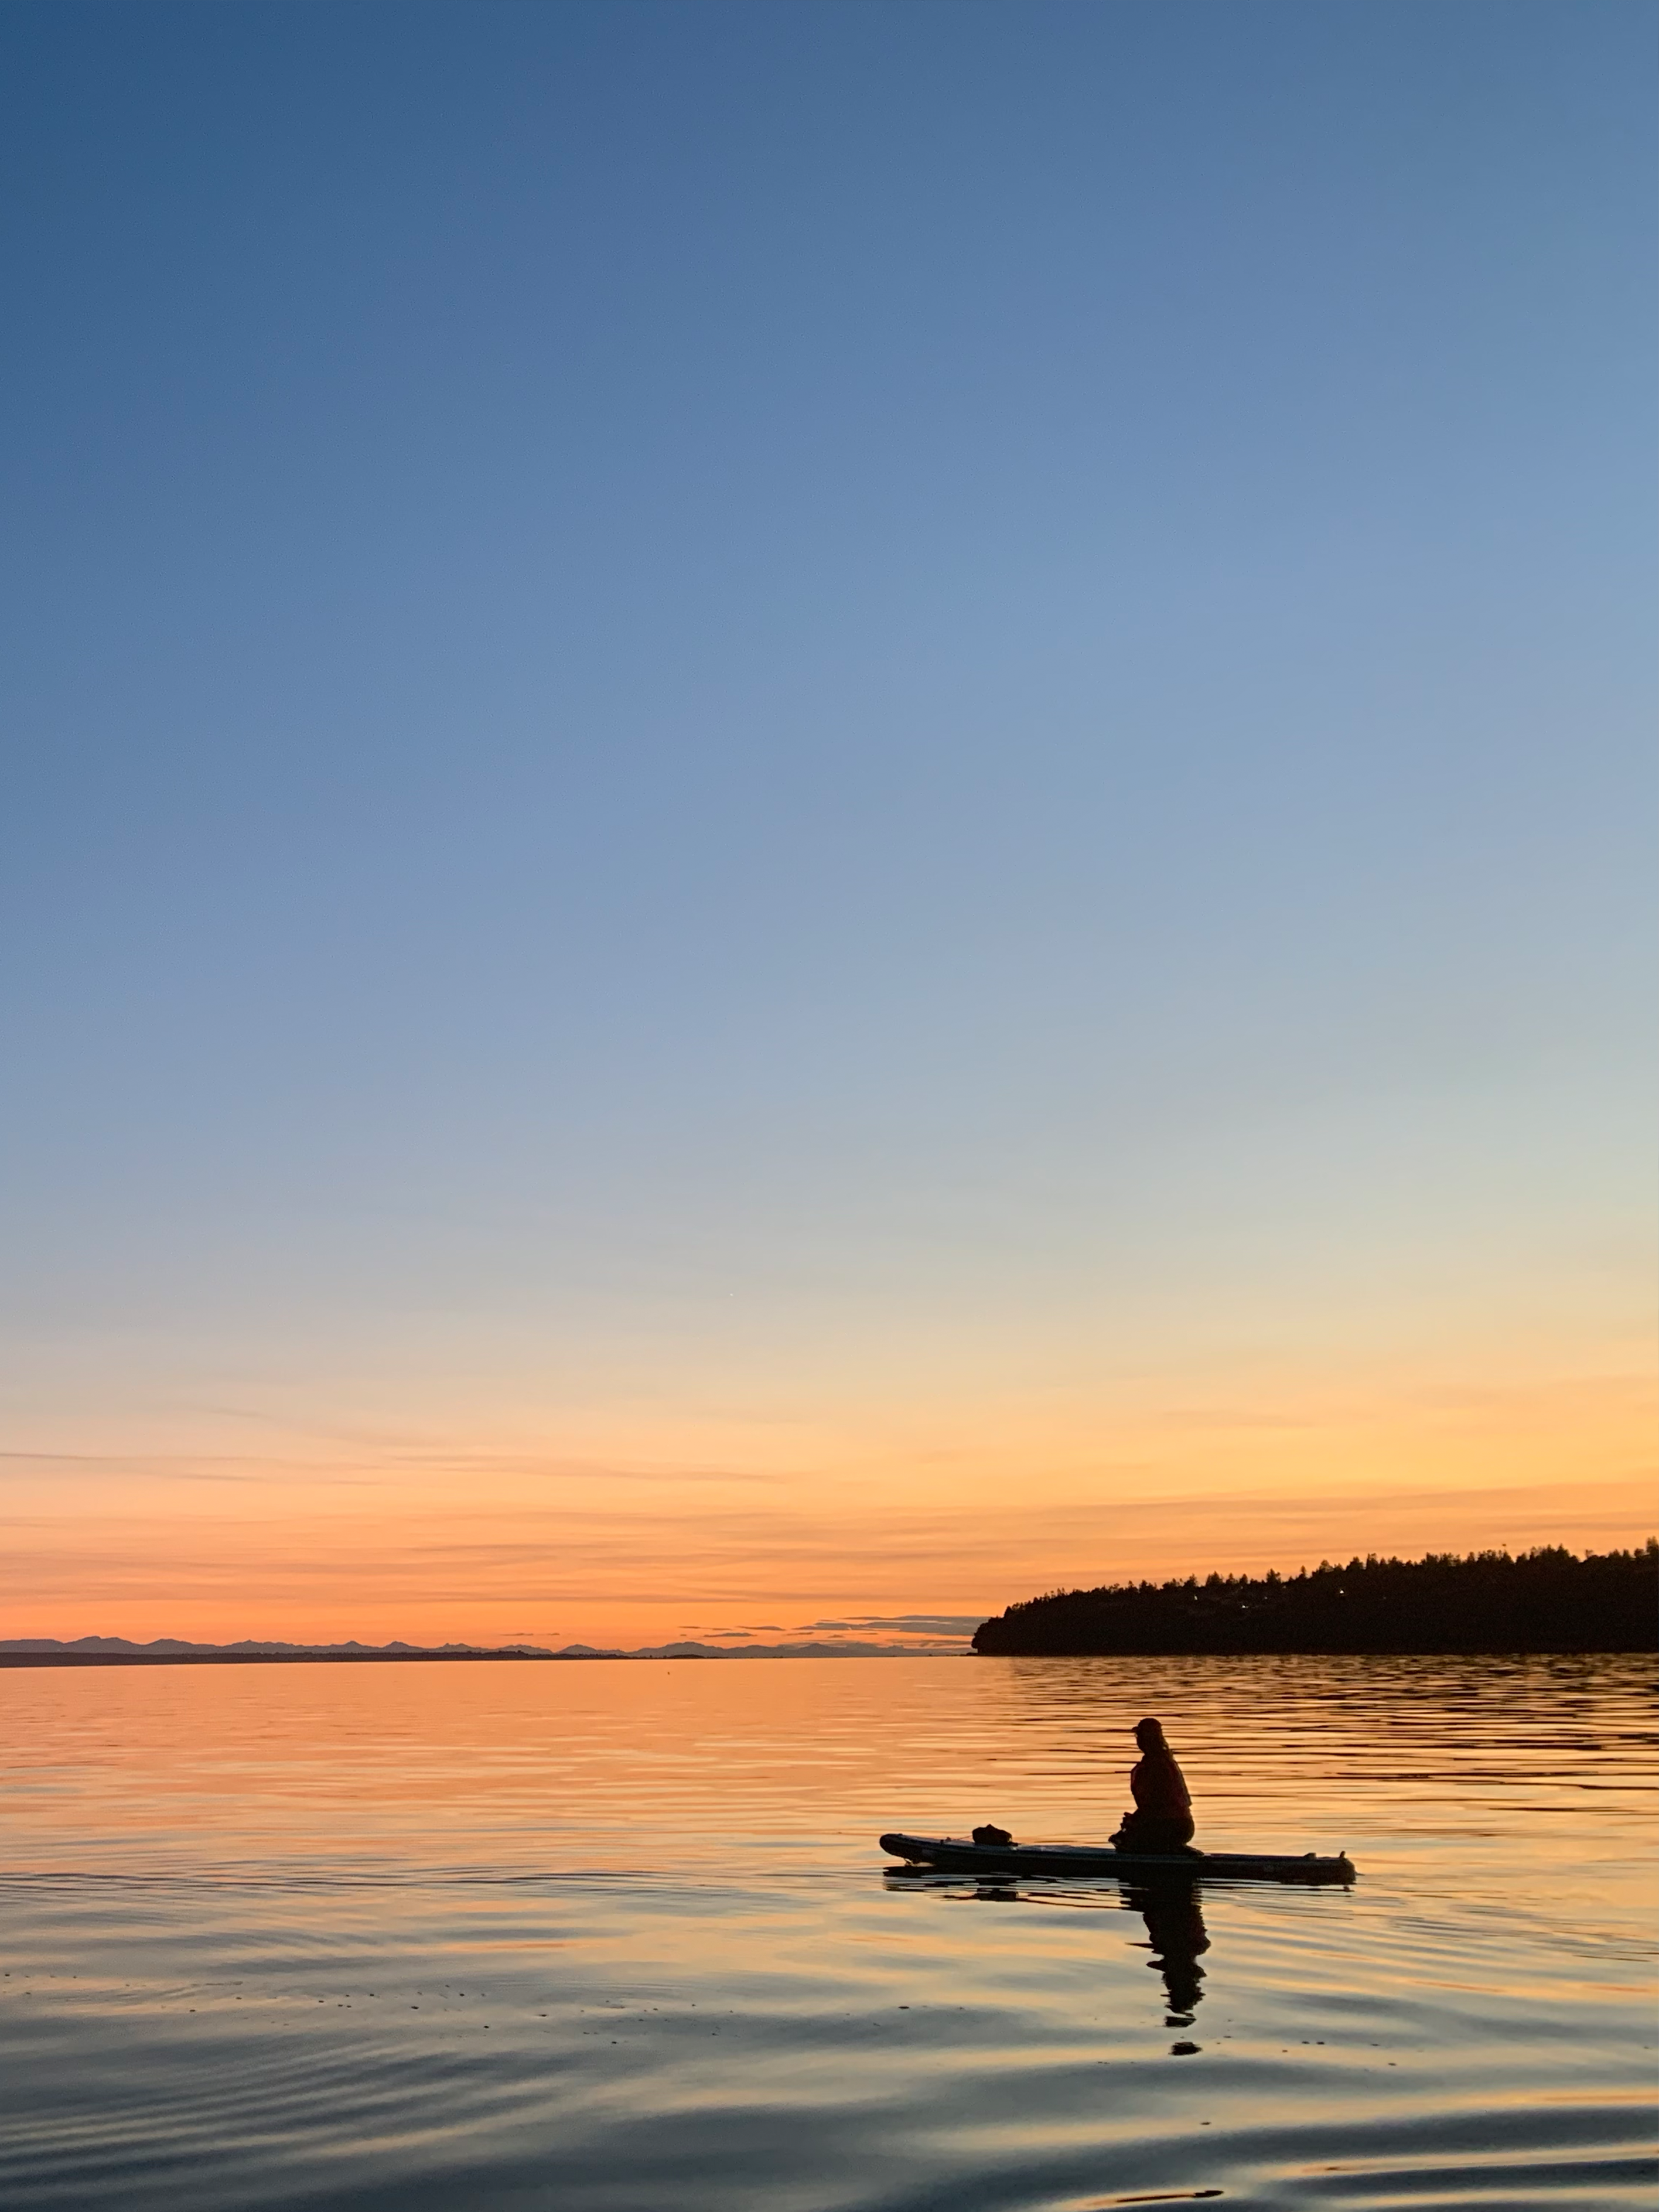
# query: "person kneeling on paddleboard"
{"type": "Point", "coordinates": [1162, 1819]}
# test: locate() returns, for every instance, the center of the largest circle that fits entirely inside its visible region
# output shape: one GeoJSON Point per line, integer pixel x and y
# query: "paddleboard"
{"type": "Point", "coordinates": [952, 1855]}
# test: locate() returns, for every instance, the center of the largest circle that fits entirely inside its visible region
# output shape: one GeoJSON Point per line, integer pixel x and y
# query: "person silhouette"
{"type": "Point", "coordinates": [1162, 1821]}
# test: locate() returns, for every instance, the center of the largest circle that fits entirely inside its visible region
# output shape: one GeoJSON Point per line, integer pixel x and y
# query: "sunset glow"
{"type": "Point", "coordinates": [819, 814]}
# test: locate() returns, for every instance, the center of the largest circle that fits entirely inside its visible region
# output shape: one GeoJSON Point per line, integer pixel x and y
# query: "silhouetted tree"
{"type": "Point", "coordinates": [1545, 1600]}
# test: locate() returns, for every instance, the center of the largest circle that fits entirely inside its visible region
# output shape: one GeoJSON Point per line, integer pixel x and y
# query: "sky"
{"type": "Point", "coordinates": [815, 814]}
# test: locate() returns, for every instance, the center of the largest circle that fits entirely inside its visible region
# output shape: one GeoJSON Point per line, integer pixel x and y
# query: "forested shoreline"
{"type": "Point", "coordinates": [1545, 1600]}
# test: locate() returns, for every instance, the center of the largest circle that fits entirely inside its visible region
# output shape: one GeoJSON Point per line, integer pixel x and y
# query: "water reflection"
{"type": "Point", "coordinates": [1171, 1910]}
{"type": "Point", "coordinates": [395, 1941]}
{"type": "Point", "coordinates": [1177, 1939]}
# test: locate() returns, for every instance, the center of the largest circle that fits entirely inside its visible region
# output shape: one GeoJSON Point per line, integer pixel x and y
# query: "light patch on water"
{"type": "Point", "coordinates": [605, 1937]}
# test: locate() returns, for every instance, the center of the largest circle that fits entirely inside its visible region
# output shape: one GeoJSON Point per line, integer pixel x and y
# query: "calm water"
{"type": "Point", "coordinates": [588, 1938]}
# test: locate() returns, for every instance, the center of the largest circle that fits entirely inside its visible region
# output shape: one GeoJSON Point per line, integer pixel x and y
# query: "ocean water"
{"type": "Point", "coordinates": [593, 1937]}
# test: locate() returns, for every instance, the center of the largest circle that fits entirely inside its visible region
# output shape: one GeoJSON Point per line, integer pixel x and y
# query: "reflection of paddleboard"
{"type": "Point", "coordinates": [953, 1857]}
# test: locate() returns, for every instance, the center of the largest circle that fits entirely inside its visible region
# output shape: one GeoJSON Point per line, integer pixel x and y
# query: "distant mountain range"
{"type": "Point", "coordinates": [118, 1650]}
{"type": "Point", "coordinates": [166, 1643]}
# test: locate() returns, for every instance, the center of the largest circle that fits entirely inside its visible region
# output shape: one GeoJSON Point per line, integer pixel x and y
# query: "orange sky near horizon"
{"type": "Point", "coordinates": [612, 1528]}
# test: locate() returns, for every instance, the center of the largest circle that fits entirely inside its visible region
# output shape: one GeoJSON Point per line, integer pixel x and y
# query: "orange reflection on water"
{"type": "Point", "coordinates": [291, 1934]}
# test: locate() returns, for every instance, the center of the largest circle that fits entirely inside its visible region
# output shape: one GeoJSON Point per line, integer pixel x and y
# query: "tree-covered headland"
{"type": "Point", "coordinates": [1547, 1600]}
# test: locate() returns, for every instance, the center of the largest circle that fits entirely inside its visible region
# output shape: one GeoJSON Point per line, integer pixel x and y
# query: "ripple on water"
{"type": "Point", "coordinates": [605, 1939]}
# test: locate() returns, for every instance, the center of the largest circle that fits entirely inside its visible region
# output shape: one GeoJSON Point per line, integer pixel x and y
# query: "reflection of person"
{"type": "Point", "coordinates": [1163, 1817]}
{"type": "Point", "coordinates": [1175, 1924]}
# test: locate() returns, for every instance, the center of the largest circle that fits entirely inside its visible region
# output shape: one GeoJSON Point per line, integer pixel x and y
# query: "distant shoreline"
{"type": "Point", "coordinates": [271, 1658]}
{"type": "Point", "coordinates": [417, 1658]}
{"type": "Point", "coordinates": [1418, 1651]}
{"type": "Point", "coordinates": [1545, 1600]}
{"type": "Point", "coordinates": [1548, 1600]}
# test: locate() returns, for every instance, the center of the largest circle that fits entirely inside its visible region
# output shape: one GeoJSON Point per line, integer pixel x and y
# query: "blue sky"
{"type": "Point", "coordinates": [785, 702]}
